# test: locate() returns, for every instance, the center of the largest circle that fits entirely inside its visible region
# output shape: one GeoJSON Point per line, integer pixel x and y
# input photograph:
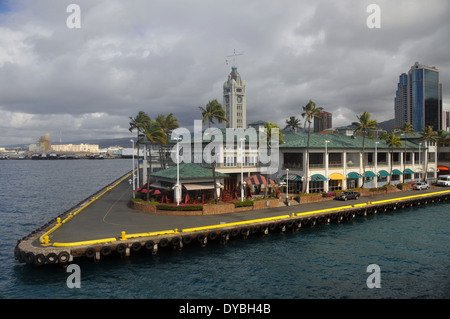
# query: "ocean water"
{"type": "Point", "coordinates": [330, 261]}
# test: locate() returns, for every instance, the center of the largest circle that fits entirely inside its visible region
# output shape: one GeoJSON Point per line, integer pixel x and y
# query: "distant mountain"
{"type": "Point", "coordinates": [387, 125]}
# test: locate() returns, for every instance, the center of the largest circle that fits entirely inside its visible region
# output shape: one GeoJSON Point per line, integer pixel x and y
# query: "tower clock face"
{"type": "Point", "coordinates": [239, 99]}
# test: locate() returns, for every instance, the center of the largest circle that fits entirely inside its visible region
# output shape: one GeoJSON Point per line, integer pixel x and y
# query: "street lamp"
{"type": "Point", "coordinates": [242, 168]}
{"type": "Point", "coordinates": [132, 152]}
{"type": "Point", "coordinates": [376, 161]}
{"type": "Point", "coordinates": [420, 162]}
{"type": "Point", "coordinates": [326, 164]}
{"type": "Point", "coordinates": [287, 185]}
{"type": "Point", "coordinates": [178, 188]}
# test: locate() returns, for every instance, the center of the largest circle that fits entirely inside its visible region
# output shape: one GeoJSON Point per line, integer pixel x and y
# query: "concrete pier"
{"type": "Point", "coordinates": [106, 223]}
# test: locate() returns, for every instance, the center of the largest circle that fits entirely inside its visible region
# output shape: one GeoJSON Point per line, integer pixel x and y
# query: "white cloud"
{"type": "Point", "coordinates": [169, 56]}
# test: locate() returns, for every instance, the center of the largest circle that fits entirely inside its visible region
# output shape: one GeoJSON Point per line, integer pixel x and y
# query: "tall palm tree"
{"type": "Point", "coordinates": [293, 123]}
{"type": "Point", "coordinates": [213, 111]}
{"type": "Point", "coordinates": [310, 111]}
{"type": "Point", "coordinates": [155, 135]}
{"type": "Point", "coordinates": [137, 123]}
{"type": "Point", "coordinates": [363, 127]}
{"type": "Point", "coordinates": [268, 139]}
{"type": "Point", "coordinates": [427, 135]}
{"type": "Point", "coordinates": [406, 129]}
{"type": "Point", "coordinates": [443, 138]}
{"type": "Point", "coordinates": [167, 124]}
{"type": "Point", "coordinates": [392, 141]}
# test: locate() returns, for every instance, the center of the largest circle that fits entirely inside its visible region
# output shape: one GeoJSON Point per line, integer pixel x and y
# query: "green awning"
{"type": "Point", "coordinates": [353, 175]}
{"type": "Point", "coordinates": [369, 174]}
{"type": "Point", "coordinates": [408, 171]}
{"type": "Point", "coordinates": [383, 173]}
{"type": "Point", "coordinates": [318, 178]}
{"type": "Point", "coordinates": [292, 178]}
{"type": "Point", "coordinates": [396, 172]}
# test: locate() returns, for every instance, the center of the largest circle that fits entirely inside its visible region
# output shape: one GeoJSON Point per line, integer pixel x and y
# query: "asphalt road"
{"type": "Point", "coordinates": [111, 214]}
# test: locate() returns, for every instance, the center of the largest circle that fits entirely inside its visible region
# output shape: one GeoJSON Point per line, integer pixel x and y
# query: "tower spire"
{"type": "Point", "coordinates": [234, 55]}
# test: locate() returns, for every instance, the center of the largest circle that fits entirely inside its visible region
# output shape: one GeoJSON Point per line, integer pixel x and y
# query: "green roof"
{"type": "Point", "coordinates": [188, 171]}
{"type": "Point", "coordinates": [318, 177]}
{"type": "Point", "coordinates": [336, 141]}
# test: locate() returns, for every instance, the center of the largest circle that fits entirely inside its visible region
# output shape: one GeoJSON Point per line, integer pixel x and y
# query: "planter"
{"type": "Point", "coordinates": [310, 198]}
{"type": "Point", "coordinates": [213, 209]}
{"type": "Point", "coordinates": [265, 203]}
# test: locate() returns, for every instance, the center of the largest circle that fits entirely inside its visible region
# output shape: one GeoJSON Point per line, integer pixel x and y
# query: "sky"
{"type": "Point", "coordinates": [171, 56]}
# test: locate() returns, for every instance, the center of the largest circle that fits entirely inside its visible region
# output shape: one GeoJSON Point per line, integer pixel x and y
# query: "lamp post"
{"type": "Point", "coordinates": [326, 164]}
{"type": "Point", "coordinates": [420, 162]}
{"type": "Point", "coordinates": [242, 168]}
{"type": "Point", "coordinates": [178, 186]}
{"type": "Point", "coordinates": [375, 184]}
{"type": "Point", "coordinates": [287, 185]}
{"type": "Point", "coordinates": [132, 152]}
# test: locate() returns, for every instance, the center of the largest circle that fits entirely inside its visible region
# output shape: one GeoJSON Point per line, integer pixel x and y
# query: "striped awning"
{"type": "Point", "coordinates": [353, 175]}
{"type": "Point", "coordinates": [396, 172]}
{"type": "Point", "coordinates": [257, 179]}
{"type": "Point", "coordinates": [292, 177]}
{"type": "Point", "coordinates": [383, 173]}
{"type": "Point", "coordinates": [442, 168]}
{"type": "Point", "coordinates": [318, 178]}
{"type": "Point", "coordinates": [408, 171]}
{"type": "Point", "coordinates": [336, 176]}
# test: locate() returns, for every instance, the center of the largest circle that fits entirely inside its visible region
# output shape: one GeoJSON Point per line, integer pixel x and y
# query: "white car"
{"type": "Point", "coordinates": [420, 186]}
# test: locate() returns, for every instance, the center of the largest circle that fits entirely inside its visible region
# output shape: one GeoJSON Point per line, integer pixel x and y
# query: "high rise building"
{"type": "Point", "coordinates": [234, 99]}
{"type": "Point", "coordinates": [324, 122]}
{"type": "Point", "coordinates": [423, 105]}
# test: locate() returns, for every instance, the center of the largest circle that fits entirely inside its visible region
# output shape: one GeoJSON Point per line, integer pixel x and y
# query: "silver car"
{"type": "Point", "coordinates": [420, 186]}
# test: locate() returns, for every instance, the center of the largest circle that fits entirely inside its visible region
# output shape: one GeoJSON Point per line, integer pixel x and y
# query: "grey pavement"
{"type": "Point", "coordinates": [111, 214]}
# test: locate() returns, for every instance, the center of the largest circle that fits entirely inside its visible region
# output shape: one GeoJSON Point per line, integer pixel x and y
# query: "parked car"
{"type": "Point", "coordinates": [348, 195]}
{"type": "Point", "coordinates": [420, 186]}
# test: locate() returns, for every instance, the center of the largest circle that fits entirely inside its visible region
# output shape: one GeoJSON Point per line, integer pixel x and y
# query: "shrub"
{"type": "Point", "coordinates": [244, 203]}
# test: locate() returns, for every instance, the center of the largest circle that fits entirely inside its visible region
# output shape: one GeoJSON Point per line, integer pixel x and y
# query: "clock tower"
{"type": "Point", "coordinates": [234, 100]}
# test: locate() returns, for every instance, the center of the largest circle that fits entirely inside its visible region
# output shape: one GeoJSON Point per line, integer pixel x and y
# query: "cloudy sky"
{"type": "Point", "coordinates": [170, 56]}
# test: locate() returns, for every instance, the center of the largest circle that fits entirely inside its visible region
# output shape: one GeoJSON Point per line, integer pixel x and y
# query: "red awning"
{"type": "Point", "coordinates": [442, 168]}
{"type": "Point", "coordinates": [257, 179]}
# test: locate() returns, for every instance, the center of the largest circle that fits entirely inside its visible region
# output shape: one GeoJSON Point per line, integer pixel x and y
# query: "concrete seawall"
{"type": "Point", "coordinates": [105, 224]}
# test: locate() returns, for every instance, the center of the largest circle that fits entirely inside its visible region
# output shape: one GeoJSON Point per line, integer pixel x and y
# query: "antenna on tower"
{"type": "Point", "coordinates": [234, 55]}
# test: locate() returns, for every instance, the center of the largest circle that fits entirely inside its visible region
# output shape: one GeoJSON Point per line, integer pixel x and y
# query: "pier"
{"type": "Point", "coordinates": [106, 224]}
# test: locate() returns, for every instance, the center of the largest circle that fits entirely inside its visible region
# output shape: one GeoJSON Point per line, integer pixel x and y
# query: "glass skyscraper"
{"type": "Point", "coordinates": [423, 105]}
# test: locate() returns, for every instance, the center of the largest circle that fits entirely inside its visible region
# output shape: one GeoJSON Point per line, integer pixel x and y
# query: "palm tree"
{"type": "Point", "coordinates": [363, 127]}
{"type": "Point", "coordinates": [155, 135]}
{"type": "Point", "coordinates": [443, 138]}
{"type": "Point", "coordinates": [293, 123]}
{"type": "Point", "coordinates": [137, 124]}
{"type": "Point", "coordinates": [427, 135]}
{"type": "Point", "coordinates": [167, 124]}
{"type": "Point", "coordinates": [407, 129]}
{"type": "Point", "coordinates": [310, 111]}
{"type": "Point", "coordinates": [213, 111]}
{"type": "Point", "coordinates": [268, 137]}
{"type": "Point", "coordinates": [392, 141]}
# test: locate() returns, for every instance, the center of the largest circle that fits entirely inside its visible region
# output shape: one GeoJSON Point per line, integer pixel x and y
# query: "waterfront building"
{"type": "Point", "coordinates": [91, 148]}
{"type": "Point", "coordinates": [235, 100]}
{"type": "Point", "coordinates": [323, 122]}
{"type": "Point", "coordinates": [423, 103]}
{"type": "Point", "coordinates": [336, 162]}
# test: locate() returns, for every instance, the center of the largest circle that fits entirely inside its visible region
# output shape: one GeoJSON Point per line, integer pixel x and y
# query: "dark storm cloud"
{"type": "Point", "coordinates": [169, 56]}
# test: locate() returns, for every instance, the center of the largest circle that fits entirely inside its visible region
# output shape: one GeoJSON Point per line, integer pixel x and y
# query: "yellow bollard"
{"type": "Point", "coordinates": [58, 220]}
{"type": "Point", "coordinates": [176, 230]}
{"type": "Point", "coordinates": [46, 239]}
{"type": "Point", "coordinates": [123, 236]}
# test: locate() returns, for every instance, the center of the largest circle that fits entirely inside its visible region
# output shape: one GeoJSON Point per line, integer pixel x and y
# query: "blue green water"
{"type": "Point", "coordinates": [330, 261]}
